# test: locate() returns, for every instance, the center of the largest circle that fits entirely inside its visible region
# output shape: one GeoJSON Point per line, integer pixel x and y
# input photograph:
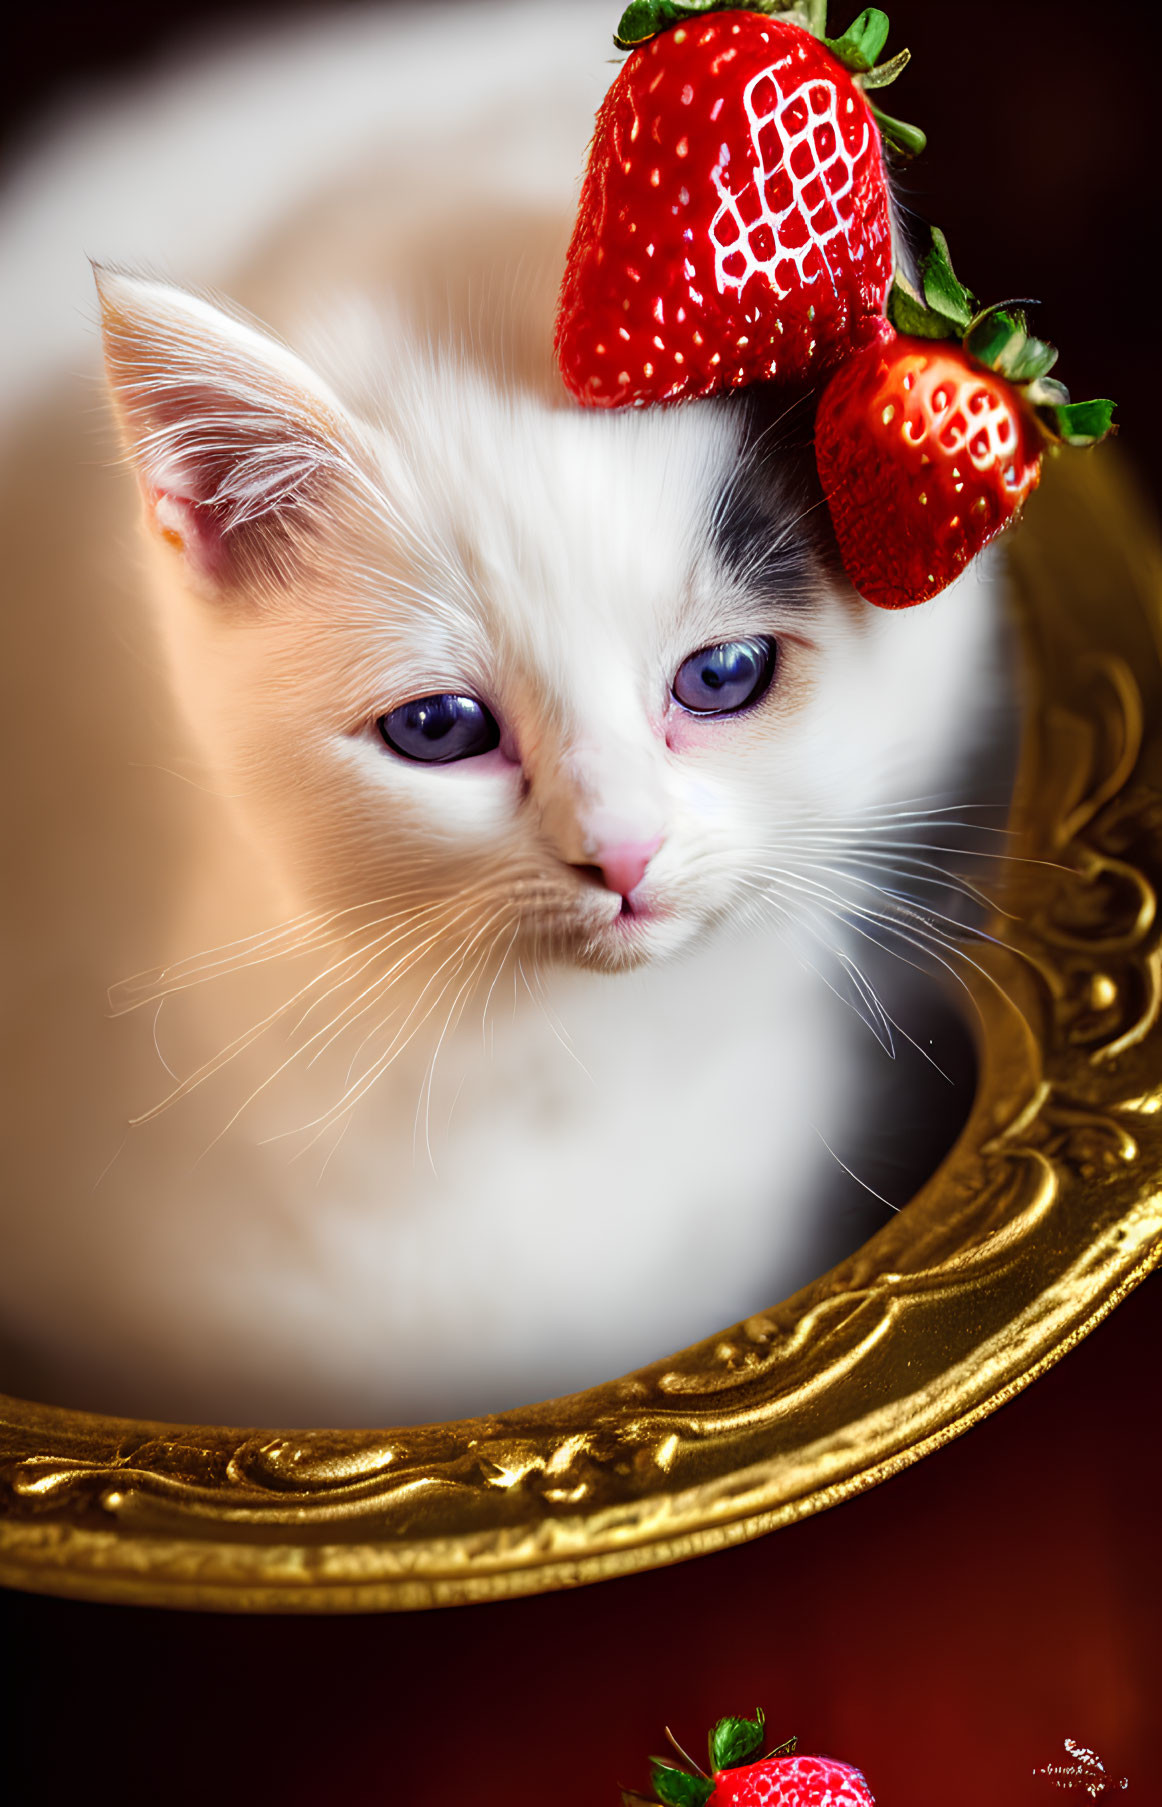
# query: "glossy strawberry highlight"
{"type": "Point", "coordinates": [734, 222]}
{"type": "Point", "coordinates": [792, 1782]}
{"type": "Point", "coordinates": [923, 457]}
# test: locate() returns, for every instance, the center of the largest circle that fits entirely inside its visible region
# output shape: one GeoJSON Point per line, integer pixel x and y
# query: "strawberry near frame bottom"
{"type": "Point", "coordinates": [783, 1777]}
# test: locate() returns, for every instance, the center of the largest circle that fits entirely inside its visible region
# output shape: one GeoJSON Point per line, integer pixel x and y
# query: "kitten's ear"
{"type": "Point", "coordinates": [239, 447]}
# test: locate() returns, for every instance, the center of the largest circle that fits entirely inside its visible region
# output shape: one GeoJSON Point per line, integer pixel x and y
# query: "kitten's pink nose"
{"type": "Point", "coordinates": [622, 864]}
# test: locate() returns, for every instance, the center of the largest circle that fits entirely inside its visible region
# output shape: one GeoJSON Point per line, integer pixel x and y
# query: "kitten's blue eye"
{"type": "Point", "coordinates": [725, 677]}
{"type": "Point", "coordinates": [439, 729]}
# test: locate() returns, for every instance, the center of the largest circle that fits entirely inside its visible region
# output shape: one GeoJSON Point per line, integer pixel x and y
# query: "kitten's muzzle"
{"type": "Point", "coordinates": [620, 866]}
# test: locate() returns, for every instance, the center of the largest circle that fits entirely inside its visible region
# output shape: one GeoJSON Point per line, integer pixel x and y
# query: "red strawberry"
{"type": "Point", "coordinates": [734, 221]}
{"type": "Point", "coordinates": [782, 1779]}
{"type": "Point", "coordinates": [791, 1782]}
{"type": "Point", "coordinates": [929, 440]}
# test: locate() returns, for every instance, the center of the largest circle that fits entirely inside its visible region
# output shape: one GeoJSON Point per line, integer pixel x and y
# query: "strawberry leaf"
{"type": "Point", "coordinates": [859, 47]}
{"type": "Point", "coordinates": [942, 291]}
{"type": "Point", "coordinates": [909, 140]}
{"type": "Point", "coordinates": [1080, 423]}
{"type": "Point", "coordinates": [677, 1788]}
{"type": "Point", "coordinates": [1047, 392]}
{"type": "Point", "coordinates": [644, 19]}
{"type": "Point", "coordinates": [1026, 362]}
{"type": "Point", "coordinates": [885, 73]}
{"type": "Point", "coordinates": [734, 1740]}
{"type": "Point", "coordinates": [994, 335]}
{"type": "Point", "coordinates": [1000, 338]}
{"type": "Point", "coordinates": [910, 313]}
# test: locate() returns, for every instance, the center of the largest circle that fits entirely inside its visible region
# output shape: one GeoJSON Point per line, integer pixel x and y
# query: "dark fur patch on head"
{"type": "Point", "coordinates": [771, 527]}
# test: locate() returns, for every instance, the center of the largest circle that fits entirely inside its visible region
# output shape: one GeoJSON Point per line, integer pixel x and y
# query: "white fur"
{"type": "Point", "coordinates": [563, 1151]}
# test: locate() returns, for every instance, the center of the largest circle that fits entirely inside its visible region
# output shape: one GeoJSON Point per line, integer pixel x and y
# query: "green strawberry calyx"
{"type": "Point", "coordinates": [733, 1743]}
{"type": "Point", "coordinates": [997, 337]}
{"type": "Point", "coordinates": [858, 49]}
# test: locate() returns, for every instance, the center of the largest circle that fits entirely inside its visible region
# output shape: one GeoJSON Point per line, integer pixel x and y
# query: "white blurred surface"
{"type": "Point", "coordinates": [183, 167]}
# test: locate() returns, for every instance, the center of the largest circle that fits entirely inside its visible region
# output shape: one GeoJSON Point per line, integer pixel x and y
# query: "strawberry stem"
{"type": "Point", "coordinates": [685, 1755]}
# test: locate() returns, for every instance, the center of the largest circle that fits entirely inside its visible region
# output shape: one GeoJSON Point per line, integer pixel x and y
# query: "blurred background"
{"type": "Point", "coordinates": [947, 1631]}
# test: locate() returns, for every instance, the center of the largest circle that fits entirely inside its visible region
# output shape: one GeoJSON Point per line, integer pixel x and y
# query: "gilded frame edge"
{"type": "Point", "coordinates": [1057, 1188]}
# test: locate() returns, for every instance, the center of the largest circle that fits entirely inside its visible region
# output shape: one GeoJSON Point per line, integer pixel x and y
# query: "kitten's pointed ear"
{"type": "Point", "coordinates": [240, 449]}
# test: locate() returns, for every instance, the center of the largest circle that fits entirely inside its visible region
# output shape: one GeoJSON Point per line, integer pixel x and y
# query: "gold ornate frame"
{"type": "Point", "coordinates": [1044, 1215]}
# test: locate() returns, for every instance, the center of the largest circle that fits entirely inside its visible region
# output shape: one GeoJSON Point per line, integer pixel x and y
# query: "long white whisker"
{"type": "Point", "coordinates": [451, 1020]}
{"type": "Point", "coordinates": [925, 938]}
{"type": "Point", "coordinates": [403, 1036]}
{"type": "Point", "coordinates": [854, 1176]}
{"type": "Point", "coordinates": [495, 983]}
{"type": "Point", "coordinates": [372, 991]}
{"type": "Point", "coordinates": [375, 951]}
{"type": "Point", "coordinates": [299, 1051]}
{"type": "Point", "coordinates": [875, 1015]}
{"type": "Point", "coordinates": [926, 912]}
{"type": "Point", "coordinates": [250, 950]}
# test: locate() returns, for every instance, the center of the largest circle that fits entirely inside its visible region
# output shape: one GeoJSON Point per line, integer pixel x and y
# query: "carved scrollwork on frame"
{"type": "Point", "coordinates": [1046, 1212]}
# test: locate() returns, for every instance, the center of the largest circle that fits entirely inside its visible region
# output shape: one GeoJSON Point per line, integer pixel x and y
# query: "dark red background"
{"type": "Point", "coordinates": [948, 1630]}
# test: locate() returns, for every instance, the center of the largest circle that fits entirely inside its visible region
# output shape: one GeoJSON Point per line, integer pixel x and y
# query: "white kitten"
{"type": "Point", "coordinates": [516, 1068]}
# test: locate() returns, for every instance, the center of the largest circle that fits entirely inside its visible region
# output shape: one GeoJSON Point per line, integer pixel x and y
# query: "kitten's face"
{"type": "Point", "coordinates": [617, 635]}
